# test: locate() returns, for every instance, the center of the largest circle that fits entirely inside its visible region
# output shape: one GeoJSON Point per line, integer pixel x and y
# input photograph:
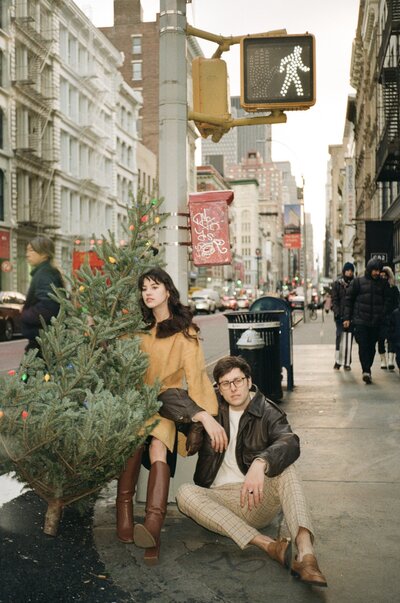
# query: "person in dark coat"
{"type": "Point", "coordinates": [344, 341]}
{"type": "Point", "coordinates": [367, 303]}
{"type": "Point", "coordinates": [384, 336]}
{"type": "Point", "coordinates": [241, 489]}
{"type": "Point", "coordinates": [40, 255]}
{"type": "Point", "coordinates": [394, 333]}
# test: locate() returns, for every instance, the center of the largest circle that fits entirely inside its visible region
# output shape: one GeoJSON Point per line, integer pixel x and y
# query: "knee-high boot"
{"type": "Point", "coordinates": [126, 489]}
{"type": "Point", "coordinates": [147, 536]}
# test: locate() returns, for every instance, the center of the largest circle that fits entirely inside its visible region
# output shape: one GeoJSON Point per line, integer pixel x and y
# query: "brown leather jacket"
{"type": "Point", "coordinates": [263, 433]}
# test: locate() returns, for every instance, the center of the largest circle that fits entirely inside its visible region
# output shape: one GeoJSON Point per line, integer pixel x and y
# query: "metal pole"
{"type": "Point", "coordinates": [172, 138]}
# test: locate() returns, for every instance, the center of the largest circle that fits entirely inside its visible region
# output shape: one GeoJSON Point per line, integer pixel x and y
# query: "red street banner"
{"type": "Point", "coordinates": [4, 244]}
{"type": "Point", "coordinates": [209, 225]}
{"type": "Point", "coordinates": [292, 226]}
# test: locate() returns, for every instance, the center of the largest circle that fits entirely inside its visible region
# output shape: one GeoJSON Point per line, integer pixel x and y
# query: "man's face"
{"type": "Point", "coordinates": [235, 389]}
{"type": "Point", "coordinates": [349, 273]}
{"type": "Point", "coordinates": [375, 273]}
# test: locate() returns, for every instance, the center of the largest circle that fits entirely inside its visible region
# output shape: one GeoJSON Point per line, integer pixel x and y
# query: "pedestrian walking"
{"type": "Point", "coordinates": [174, 354]}
{"type": "Point", "coordinates": [367, 304]}
{"type": "Point", "coordinates": [385, 341]}
{"type": "Point", "coordinates": [394, 333]}
{"type": "Point", "coordinates": [327, 303]}
{"type": "Point", "coordinates": [240, 491]}
{"type": "Point", "coordinates": [344, 337]}
{"type": "Point", "coordinates": [38, 304]}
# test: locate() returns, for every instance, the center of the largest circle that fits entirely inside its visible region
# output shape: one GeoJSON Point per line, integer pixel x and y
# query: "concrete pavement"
{"type": "Point", "coordinates": [350, 466]}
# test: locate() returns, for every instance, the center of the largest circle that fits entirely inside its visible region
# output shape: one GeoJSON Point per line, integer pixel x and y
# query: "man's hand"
{"type": "Point", "coordinates": [218, 437]}
{"type": "Point", "coordinates": [346, 324]}
{"type": "Point", "coordinates": [253, 486]}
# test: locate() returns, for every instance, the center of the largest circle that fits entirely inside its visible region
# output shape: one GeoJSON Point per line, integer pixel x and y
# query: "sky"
{"type": "Point", "coordinates": [305, 138]}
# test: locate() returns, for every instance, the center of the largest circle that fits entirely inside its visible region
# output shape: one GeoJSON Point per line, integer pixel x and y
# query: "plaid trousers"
{"type": "Point", "coordinates": [218, 509]}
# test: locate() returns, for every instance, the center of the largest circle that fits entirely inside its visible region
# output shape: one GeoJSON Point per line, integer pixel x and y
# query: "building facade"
{"type": "Point", "coordinates": [71, 126]}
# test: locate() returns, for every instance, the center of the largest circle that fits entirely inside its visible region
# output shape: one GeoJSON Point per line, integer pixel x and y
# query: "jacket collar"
{"type": "Point", "coordinates": [41, 265]}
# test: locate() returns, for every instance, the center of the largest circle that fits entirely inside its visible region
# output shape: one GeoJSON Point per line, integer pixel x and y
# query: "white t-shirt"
{"type": "Point", "coordinates": [229, 472]}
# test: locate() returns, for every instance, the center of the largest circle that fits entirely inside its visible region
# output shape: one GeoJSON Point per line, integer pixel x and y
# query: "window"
{"type": "Point", "coordinates": [1, 128]}
{"type": "Point", "coordinates": [136, 44]}
{"type": "Point", "coordinates": [1, 195]}
{"type": "Point", "coordinates": [137, 70]}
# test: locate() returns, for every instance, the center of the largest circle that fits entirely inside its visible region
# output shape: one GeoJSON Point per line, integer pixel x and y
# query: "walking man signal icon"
{"type": "Point", "coordinates": [291, 63]}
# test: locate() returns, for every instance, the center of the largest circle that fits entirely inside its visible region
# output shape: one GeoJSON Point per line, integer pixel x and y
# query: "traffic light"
{"type": "Point", "coordinates": [277, 72]}
{"type": "Point", "coordinates": [210, 92]}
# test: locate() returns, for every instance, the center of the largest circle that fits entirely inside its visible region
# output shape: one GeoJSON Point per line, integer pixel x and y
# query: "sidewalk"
{"type": "Point", "coordinates": [350, 466]}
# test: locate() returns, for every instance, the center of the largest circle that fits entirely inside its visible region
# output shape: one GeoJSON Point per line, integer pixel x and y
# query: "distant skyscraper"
{"type": "Point", "coordinates": [237, 143]}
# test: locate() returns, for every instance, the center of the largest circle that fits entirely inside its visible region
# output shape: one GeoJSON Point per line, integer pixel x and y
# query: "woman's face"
{"type": "Point", "coordinates": [33, 257]}
{"type": "Point", "coordinates": [155, 295]}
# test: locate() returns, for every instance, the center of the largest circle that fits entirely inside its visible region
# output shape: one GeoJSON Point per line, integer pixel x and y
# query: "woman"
{"type": "Point", "coordinates": [174, 354]}
{"type": "Point", "coordinates": [385, 335]}
{"type": "Point", "coordinates": [38, 304]}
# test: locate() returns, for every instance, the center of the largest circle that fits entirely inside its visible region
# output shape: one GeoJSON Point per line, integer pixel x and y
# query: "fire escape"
{"type": "Point", "coordinates": [388, 151]}
{"type": "Point", "coordinates": [33, 85]}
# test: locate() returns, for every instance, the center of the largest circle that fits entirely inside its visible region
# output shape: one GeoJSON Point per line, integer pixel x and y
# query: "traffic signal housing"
{"type": "Point", "coordinates": [277, 72]}
{"type": "Point", "coordinates": [210, 92]}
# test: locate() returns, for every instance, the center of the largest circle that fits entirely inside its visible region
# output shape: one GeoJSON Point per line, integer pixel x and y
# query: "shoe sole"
{"type": "Point", "coordinates": [310, 582]}
{"type": "Point", "coordinates": [142, 537]}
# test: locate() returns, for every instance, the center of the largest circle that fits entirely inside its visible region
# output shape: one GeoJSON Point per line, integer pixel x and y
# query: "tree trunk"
{"type": "Point", "coordinates": [52, 517]}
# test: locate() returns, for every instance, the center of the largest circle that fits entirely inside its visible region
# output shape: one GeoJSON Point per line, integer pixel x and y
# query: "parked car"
{"type": "Point", "coordinates": [203, 302]}
{"type": "Point", "coordinates": [11, 304]}
{"type": "Point", "coordinates": [229, 303]}
{"type": "Point", "coordinates": [243, 302]}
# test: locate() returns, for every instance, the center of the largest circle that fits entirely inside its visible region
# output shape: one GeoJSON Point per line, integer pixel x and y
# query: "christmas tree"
{"type": "Point", "coordinates": [72, 415]}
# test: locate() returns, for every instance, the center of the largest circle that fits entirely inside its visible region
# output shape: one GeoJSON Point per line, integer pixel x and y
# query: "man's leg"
{"type": "Point", "coordinates": [210, 507]}
{"type": "Point", "coordinates": [364, 352]}
{"type": "Point", "coordinates": [338, 354]}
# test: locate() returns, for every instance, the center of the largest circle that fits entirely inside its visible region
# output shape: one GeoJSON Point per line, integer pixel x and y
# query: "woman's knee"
{"type": "Point", "coordinates": [157, 451]}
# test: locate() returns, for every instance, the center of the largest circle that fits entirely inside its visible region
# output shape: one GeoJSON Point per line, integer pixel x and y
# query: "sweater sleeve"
{"type": "Point", "coordinates": [200, 388]}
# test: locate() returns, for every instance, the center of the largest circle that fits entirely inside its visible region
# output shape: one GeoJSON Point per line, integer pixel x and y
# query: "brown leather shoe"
{"type": "Point", "coordinates": [281, 551]}
{"type": "Point", "coordinates": [307, 571]}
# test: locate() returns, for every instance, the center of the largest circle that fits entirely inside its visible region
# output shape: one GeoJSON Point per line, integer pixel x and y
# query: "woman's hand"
{"type": "Point", "coordinates": [216, 433]}
{"type": "Point", "coordinates": [253, 485]}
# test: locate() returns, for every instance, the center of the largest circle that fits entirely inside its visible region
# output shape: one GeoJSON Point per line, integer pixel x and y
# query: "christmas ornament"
{"type": "Point", "coordinates": [131, 227]}
{"type": "Point", "coordinates": [154, 201]}
{"type": "Point", "coordinates": [24, 377]}
{"type": "Point", "coordinates": [81, 288]}
{"type": "Point", "coordinates": [144, 219]}
{"type": "Point", "coordinates": [77, 242]}
{"type": "Point", "coordinates": [125, 311]}
{"type": "Point", "coordinates": [86, 404]}
{"type": "Point", "coordinates": [24, 415]}
{"type": "Point", "coordinates": [47, 377]}
{"type": "Point", "coordinates": [92, 241]}
{"type": "Point", "coordinates": [70, 366]}
{"type": "Point", "coordinates": [84, 310]}
{"type": "Point", "coordinates": [112, 260]}
{"type": "Point", "coordinates": [1, 414]}
{"type": "Point", "coordinates": [157, 219]}
{"type": "Point", "coordinates": [11, 372]}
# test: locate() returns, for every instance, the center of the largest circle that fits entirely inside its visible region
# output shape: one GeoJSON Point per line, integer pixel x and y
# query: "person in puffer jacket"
{"type": "Point", "coordinates": [367, 304]}
{"type": "Point", "coordinates": [344, 339]}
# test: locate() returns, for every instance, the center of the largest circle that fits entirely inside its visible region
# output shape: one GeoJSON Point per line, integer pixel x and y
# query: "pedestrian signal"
{"type": "Point", "coordinates": [277, 72]}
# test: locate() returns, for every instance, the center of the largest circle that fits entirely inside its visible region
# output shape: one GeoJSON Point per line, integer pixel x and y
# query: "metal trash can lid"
{"type": "Point", "coordinates": [250, 340]}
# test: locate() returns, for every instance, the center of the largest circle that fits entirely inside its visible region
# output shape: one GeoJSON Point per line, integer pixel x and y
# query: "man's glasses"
{"type": "Point", "coordinates": [238, 382]}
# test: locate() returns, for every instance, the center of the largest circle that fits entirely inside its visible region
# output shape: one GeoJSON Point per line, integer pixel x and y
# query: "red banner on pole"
{"type": "Point", "coordinates": [209, 225]}
{"type": "Point", "coordinates": [4, 244]}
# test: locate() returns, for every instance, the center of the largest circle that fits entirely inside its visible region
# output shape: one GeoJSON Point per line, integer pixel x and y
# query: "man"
{"type": "Point", "coordinates": [241, 489]}
{"type": "Point", "coordinates": [344, 338]}
{"type": "Point", "coordinates": [367, 304]}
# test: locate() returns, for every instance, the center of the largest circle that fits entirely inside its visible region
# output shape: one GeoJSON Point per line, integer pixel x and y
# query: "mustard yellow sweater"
{"type": "Point", "coordinates": [177, 361]}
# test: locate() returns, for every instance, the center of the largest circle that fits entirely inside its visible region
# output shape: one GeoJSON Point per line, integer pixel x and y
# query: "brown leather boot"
{"type": "Point", "coordinates": [126, 489]}
{"type": "Point", "coordinates": [147, 536]}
